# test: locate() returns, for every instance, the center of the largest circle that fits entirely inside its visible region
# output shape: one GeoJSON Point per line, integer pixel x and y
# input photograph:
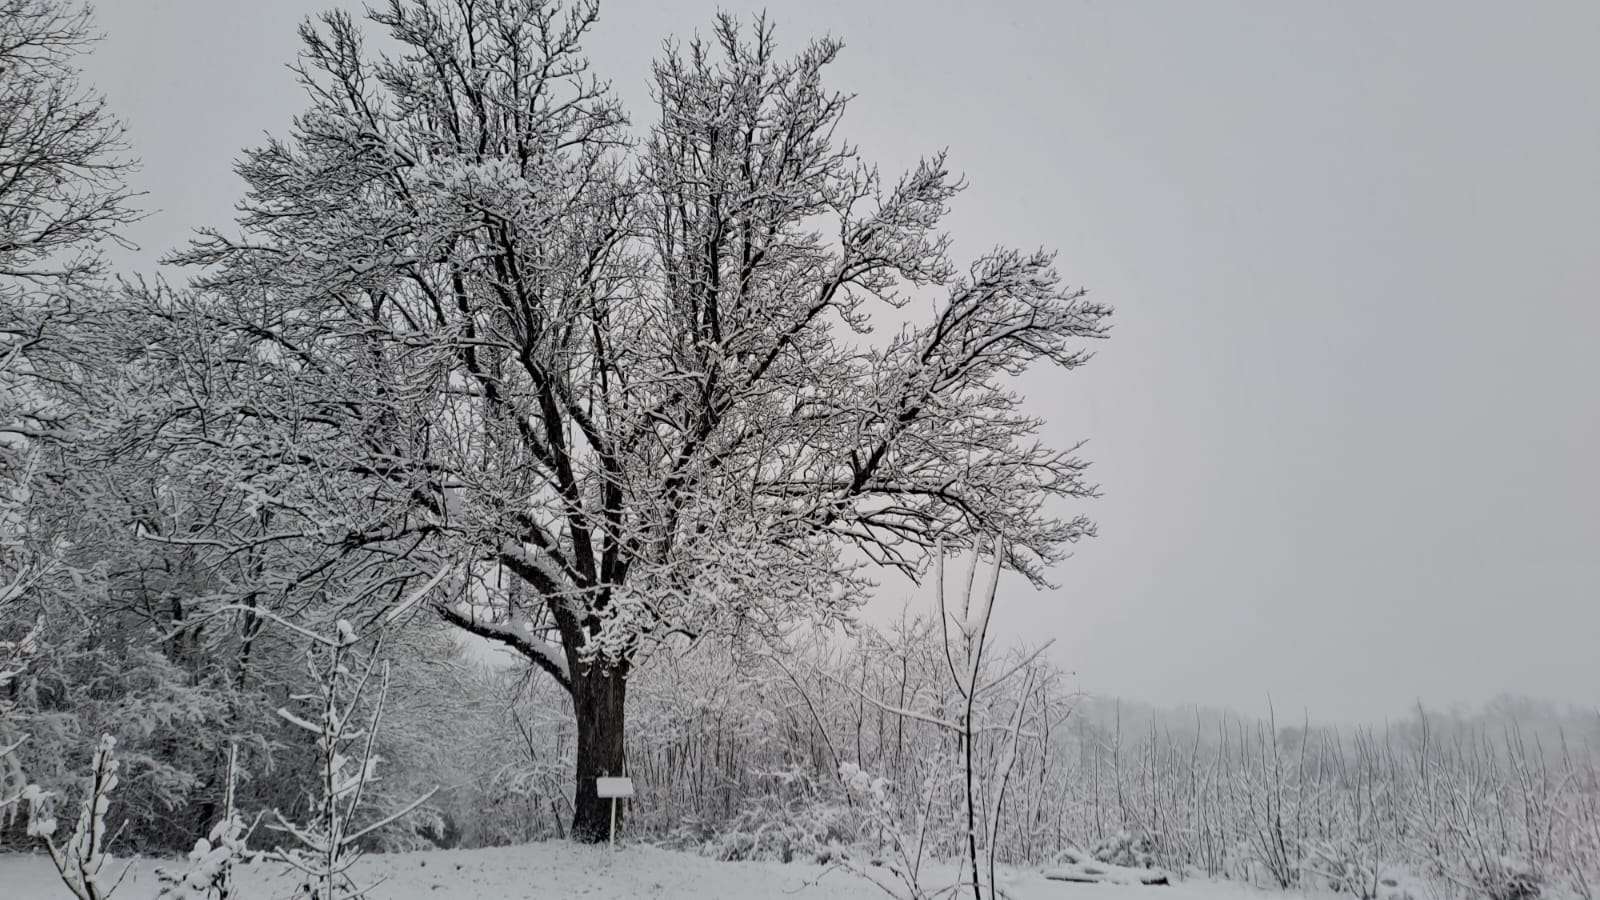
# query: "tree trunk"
{"type": "Point", "coordinates": [598, 695]}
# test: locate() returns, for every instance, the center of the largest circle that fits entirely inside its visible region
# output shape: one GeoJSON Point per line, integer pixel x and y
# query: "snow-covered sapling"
{"type": "Point", "coordinates": [964, 626]}
{"type": "Point", "coordinates": [325, 846]}
{"type": "Point", "coordinates": [83, 858]}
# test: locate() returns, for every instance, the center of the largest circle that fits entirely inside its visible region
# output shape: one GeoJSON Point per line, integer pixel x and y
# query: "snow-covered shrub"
{"type": "Point", "coordinates": [170, 730]}
{"type": "Point", "coordinates": [1134, 851]}
{"type": "Point", "coordinates": [792, 816]}
{"type": "Point", "coordinates": [1506, 878]}
{"type": "Point", "coordinates": [896, 849]}
{"type": "Point", "coordinates": [1356, 867]}
{"type": "Point", "coordinates": [1345, 866]}
{"type": "Point", "coordinates": [798, 821]}
{"type": "Point", "coordinates": [209, 874]}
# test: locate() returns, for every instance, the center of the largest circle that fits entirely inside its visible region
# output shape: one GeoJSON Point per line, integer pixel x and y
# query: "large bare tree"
{"type": "Point", "coordinates": [481, 348]}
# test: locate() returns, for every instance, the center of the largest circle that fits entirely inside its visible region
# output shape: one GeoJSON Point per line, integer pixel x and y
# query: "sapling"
{"type": "Point", "coordinates": [83, 858]}
{"type": "Point", "coordinates": [323, 848]}
{"type": "Point", "coordinates": [964, 626]}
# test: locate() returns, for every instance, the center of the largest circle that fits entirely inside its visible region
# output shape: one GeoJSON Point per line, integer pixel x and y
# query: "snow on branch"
{"type": "Point", "coordinates": [519, 635]}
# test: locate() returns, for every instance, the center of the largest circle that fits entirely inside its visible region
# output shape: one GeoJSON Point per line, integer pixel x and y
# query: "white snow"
{"type": "Point", "coordinates": [558, 869]}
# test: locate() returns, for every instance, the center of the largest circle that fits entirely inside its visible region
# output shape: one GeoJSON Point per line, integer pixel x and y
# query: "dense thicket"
{"type": "Point", "coordinates": [737, 756]}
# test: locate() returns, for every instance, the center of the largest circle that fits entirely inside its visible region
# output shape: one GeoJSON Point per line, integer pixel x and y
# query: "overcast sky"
{"type": "Point", "coordinates": [1348, 423]}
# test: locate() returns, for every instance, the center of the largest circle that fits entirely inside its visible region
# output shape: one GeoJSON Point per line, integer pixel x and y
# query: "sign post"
{"type": "Point", "coordinates": [615, 789]}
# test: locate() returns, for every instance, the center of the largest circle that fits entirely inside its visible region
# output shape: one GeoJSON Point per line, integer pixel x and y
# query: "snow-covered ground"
{"type": "Point", "coordinates": [559, 870]}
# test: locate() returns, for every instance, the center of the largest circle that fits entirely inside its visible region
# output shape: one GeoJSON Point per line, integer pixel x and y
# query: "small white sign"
{"type": "Point", "coordinates": [613, 787]}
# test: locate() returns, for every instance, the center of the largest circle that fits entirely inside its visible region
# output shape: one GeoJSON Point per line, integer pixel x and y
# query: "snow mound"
{"type": "Point", "coordinates": [1081, 867]}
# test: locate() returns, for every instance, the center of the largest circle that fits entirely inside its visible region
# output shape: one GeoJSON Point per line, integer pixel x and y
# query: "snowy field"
{"type": "Point", "coordinates": [558, 869]}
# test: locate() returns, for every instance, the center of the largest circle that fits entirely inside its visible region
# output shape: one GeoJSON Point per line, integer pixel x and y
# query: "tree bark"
{"type": "Point", "coordinates": [598, 699]}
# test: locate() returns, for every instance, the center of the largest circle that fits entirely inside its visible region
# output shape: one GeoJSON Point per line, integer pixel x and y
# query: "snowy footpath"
{"type": "Point", "coordinates": [558, 870]}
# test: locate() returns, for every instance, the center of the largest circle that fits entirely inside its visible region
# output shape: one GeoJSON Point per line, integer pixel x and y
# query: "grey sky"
{"type": "Point", "coordinates": [1347, 426]}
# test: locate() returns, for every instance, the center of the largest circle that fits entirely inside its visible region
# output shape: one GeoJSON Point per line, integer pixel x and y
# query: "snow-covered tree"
{"type": "Point", "coordinates": [482, 349]}
{"type": "Point", "coordinates": [62, 196]}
